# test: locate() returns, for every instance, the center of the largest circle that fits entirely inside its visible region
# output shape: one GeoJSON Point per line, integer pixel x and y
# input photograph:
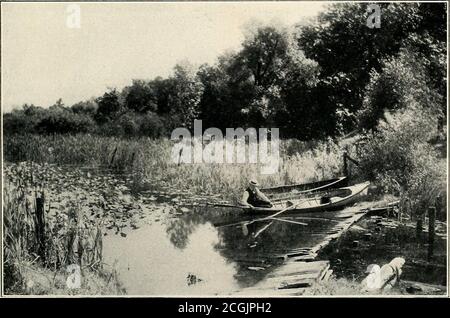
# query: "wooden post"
{"type": "Point", "coordinates": [440, 124]}
{"type": "Point", "coordinates": [180, 154]}
{"type": "Point", "coordinates": [345, 163]}
{"type": "Point", "coordinates": [113, 156]}
{"type": "Point", "coordinates": [438, 205]}
{"type": "Point", "coordinates": [80, 235]}
{"type": "Point", "coordinates": [401, 208]}
{"type": "Point", "coordinates": [40, 226]}
{"type": "Point", "coordinates": [419, 225]}
{"type": "Point", "coordinates": [431, 228]}
{"type": "Point", "coordinates": [406, 209]}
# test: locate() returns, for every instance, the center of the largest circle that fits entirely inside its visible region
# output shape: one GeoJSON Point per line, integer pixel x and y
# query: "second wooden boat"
{"type": "Point", "coordinates": [324, 201]}
{"type": "Point", "coordinates": [285, 191]}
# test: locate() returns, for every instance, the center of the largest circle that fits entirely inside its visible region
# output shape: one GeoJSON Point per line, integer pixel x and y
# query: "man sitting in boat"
{"type": "Point", "coordinates": [253, 197]}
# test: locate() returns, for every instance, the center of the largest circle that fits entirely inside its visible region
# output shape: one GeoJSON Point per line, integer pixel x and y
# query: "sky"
{"type": "Point", "coordinates": [45, 58]}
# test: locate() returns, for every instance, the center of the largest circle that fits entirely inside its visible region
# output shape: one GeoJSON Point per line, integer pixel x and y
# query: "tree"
{"type": "Point", "coordinates": [184, 96]}
{"type": "Point", "coordinates": [161, 88]}
{"type": "Point", "coordinates": [58, 105]}
{"type": "Point", "coordinates": [140, 97]}
{"type": "Point", "coordinates": [347, 50]}
{"type": "Point", "coordinates": [403, 82]}
{"type": "Point", "coordinates": [264, 53]}
{"type": "Point", "coordinates": [88, 107]}
{"type": "Point", "coordinates": [432, 54]}
{"type": "Point", "coordinates": [108, 106]}
{"type": "Point", "coordinates": [313, 81]}
{"type": "Point", "coordinates": [228, 90]}
{"type": "Point", "coordinates": [249, 87]}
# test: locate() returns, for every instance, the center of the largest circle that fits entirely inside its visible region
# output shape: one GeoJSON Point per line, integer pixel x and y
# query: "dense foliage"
{"type": "Point", "coordinates": [314, 80]}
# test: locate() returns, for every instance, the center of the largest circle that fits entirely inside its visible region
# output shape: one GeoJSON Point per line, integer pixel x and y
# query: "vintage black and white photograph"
{"type": "Point", "coordinates": [238, 149]}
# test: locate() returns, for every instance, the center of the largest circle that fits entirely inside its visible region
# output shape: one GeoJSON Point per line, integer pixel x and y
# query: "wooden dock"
{"type": "Point", "coordinates": [299, 269]}
{"type": "Point", "coordinates": [290, 279]}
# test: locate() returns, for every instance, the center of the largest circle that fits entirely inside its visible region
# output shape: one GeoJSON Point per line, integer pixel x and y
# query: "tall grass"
{"type": "Point", "coordinates": [150, 162]}
{"type": "Point", "coordinates": [66, 238]}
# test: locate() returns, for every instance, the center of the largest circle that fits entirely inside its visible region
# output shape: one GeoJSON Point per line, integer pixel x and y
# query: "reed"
{"type": "Point", "coordinates": [36, 240]}
{"type": "Point", "coordinates": [149, 162]}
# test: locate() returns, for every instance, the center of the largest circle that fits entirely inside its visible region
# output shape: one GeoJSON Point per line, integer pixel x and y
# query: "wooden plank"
{"type": "Point", "coordinates": [258, 259]}
{"type": "Point", "coordinates": [293, 275]}
{"type": "Point", "coordinates": [323, 273]}
{"type": "Point", "coordinates": [292, 266]}
{"type": "Point", "coordinates": [327, 276]}
{"type": "Point", "coordinates": [300, 249]}
{"type": "Point", "coordinates": [282, 281]}
{"type": "Point", "coordinates": [271, 292]}
{"type": "Point", "coordinates": [312, 273]}
{"type": "Point", "coordinates": [301, 271]}
{"type": "Point", "coordinates": [296, 272]}
{"type": "Point", "coordinates": [294, 254]}
{"type": "Point", "coordinates": [343, 228]}
{"type": "Point", "coordinates": [306, 258]}
{"type": "Point", "coordinates": [297, 284]}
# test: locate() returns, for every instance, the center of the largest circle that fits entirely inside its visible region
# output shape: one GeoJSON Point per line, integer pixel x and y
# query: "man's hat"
{"type": "Point", "coordinates": [253, 182]}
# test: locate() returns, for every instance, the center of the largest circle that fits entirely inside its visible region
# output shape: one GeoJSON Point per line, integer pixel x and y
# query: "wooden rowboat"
{"type": "Point", "coordinates": [304, 188]}
{"type": "Point", "coordinates": [331, 199]}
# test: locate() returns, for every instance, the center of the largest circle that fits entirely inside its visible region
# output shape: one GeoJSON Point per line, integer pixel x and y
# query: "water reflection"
{"type": "Point", "coordinates": [210, 253]}
{"type": "Point", "coordinates": [149, 263]}
{"type": "Point", "coordinates": [180, 229]}
{"type": "Point", "coordinates": [168, 247]}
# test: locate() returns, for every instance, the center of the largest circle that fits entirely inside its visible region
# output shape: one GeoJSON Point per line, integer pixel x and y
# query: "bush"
{"type": "Point", "coordinates": [400, 159]}
{"type": "Point", "coordinates": [129, 122]}
{"type": "Point", "coordinates": [23, 120]}
{"type": "Point", "coordinates": [153, 126]}
{"type": "Point", "coordinates": [112, 128]}
{"type": "Point", "coordinates": [14, 123]}
{"type": "Point", "coordinates": [65, 122]}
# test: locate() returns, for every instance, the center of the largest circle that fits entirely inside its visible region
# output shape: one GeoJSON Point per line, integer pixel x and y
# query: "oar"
{"type": "Point", "coordinates": [224, 205]}
{"type": "Point", "coordinates": [264, 218]}
{"type": "Point", "coordinates": [267, 226]}
{"type": "Point", "coordinates": [289, 221]}
{"type": "Point", "coordinates": [249, 222]}
{"type": "Point", "coordinates": [262, 230]}
{"type": "Point", "coordinates": [278, 213]}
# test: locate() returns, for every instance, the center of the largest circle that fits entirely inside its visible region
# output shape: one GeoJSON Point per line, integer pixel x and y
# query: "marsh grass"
{"type": "Point", "coordinates": [66, 238]}
{"type": "Point", "coordinates": [150, 162]}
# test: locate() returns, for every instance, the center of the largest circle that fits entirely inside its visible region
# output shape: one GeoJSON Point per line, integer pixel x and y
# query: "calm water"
{"type": "Point", "coordinates": [165, 243]}
{"type": "Point", "coordinates": [206, 253]}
